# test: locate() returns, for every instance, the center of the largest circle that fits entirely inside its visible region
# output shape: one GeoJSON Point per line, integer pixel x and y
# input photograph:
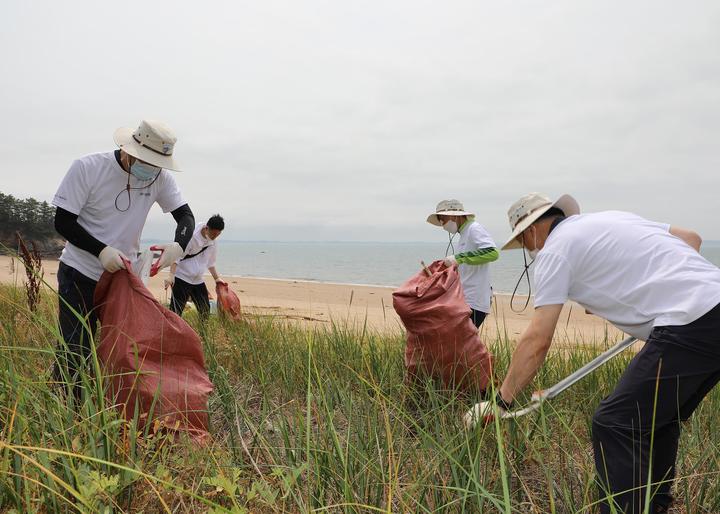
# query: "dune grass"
{"type": "Point", "coordinates": [310, 420]}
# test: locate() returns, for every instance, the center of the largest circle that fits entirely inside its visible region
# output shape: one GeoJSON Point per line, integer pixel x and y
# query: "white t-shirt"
{"type": "Point", "coordinates": [192, 270]}
{"type": "Point", "coordinates": [90, 189]}
{"type": "Point", "coordinates": [626, 269]}
{"type": "Point", "coordinates": [475, 279]}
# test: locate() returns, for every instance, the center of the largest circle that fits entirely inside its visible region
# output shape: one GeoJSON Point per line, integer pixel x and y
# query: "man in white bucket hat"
{"type": "Point", "coordinates": [476, 249]}
{"type": "Point", "coordinates": [649, 280]}
{"type": "Point", "coordinates": [102, 204]}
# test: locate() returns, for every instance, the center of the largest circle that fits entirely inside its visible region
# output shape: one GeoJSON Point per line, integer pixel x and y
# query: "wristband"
{"type": "Point", "coordinates": [502, 403]}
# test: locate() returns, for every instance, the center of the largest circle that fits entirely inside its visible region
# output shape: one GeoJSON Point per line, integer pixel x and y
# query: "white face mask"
{"type": "Point", "coordinates": [451, 227]}
{"type": "Point", "coordinates": [533, 253]}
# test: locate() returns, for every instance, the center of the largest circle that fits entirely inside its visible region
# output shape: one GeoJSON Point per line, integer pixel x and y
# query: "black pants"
{"type": "Point", "coordinates": [477, 317]}
{"type": "Point", "coordinates": [198, 293]}
{"type": "Point", "coordinates": [76, 294]}
{"type": "Point", "coordinates": [683, 364]}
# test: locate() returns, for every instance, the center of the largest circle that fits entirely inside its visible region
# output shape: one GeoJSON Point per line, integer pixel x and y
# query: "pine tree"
{"type": "Point", "coordinates": [34, 220]}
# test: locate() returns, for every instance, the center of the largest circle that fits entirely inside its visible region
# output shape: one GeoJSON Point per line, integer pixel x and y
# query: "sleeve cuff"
{"type": "Point", "coordinates": [64, 206]}
{"type": "Point", "coordinates": [549, 301]}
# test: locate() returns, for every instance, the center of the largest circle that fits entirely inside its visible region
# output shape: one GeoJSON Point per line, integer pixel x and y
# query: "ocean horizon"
{"type": "Point", "coordinates": [361, 262]}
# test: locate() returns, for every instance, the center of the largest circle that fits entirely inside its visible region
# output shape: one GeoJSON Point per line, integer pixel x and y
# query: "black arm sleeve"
{"type": "Point", "coordinates": [67, 226]}
{"type": "Point", "coordinates": [185, 225]}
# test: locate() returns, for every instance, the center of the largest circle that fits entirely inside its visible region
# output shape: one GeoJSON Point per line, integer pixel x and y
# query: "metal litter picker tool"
{"type": "Point", "coordinates": [472, 416]}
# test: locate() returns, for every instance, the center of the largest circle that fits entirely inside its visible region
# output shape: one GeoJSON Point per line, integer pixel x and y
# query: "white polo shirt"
{"type": "Point", "coordinates": [192, 270]}
{"type": "Point", "coordinates": [475, 279]}
{"type": "Point", "coordinates": [90, 189]}
{"type": "Point", "coordinates": [626, 269]}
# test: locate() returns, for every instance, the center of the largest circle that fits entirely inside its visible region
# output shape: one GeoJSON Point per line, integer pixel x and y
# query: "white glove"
{"type": "Point", "coordinates": [112, 259]}
{"type": "Point", "coordinates": [450, 261]}
{"type": "Point", "coordinates": [169, 253]}
{"type": "Point", "coordinates": [170, 281]}
{"type": "Point", "coordinates": [484, 412]}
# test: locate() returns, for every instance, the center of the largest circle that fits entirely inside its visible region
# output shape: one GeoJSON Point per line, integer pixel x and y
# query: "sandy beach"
{"type": "Point", "coordinates": [322, 303]}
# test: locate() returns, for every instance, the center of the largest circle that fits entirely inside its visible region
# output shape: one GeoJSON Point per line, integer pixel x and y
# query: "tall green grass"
{"type": "Point", "coordinates": [310, 420]}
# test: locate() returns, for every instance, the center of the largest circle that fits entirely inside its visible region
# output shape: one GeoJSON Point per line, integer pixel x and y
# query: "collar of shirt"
{"type": "Point", "coordinates": [206, 241]}
{"type": "Point", "coordinates": [467, 223]}
{"type": "Point", "coordinates": [553, 226]}
{"type": "Point", "coordinates": [555, 223]}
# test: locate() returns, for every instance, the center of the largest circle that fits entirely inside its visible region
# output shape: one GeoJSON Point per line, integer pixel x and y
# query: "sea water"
{"type": "Point", "coordinates": [386, 264]}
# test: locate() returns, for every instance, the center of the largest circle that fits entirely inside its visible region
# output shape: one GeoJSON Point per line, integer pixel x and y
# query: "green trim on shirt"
{"type": "Point", "coordinates": [477, 257]}
{"type": "Point", "coordinates": [467, 223]}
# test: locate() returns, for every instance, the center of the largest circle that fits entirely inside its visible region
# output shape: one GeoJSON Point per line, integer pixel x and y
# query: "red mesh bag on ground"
{"type": "Point", "coordinates": [227, 301]}
{"type": "Point", "coordinates": [442, 341]}
{"type": "Point", "coordinates": [152, 358]}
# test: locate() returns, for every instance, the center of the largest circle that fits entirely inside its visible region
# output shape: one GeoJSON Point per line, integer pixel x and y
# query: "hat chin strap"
{"type": "Point", "coordinates": [525, 273]}
{"type": "Point", "coordinates": [127, 190]}
{"type": "Point", "coordinates": [450, 246]}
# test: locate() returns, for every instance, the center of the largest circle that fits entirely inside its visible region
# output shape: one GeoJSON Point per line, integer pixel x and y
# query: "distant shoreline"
{"type": "Point", "coordinates": [709, 242]}
{"type": "Point", "coordinates": [299, 280]}
{"type": "Point", "coordinates": [320, 304]}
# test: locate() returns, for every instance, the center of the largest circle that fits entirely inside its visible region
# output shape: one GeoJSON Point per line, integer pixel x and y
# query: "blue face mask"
{"type": "Point", "coordinates": [143, 171]}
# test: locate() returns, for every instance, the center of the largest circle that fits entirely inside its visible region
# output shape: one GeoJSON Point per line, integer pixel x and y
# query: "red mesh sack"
{"type": "Point", "coordinates": [227, 301]}
{"type": "Point", "coordinates": [152, 358]}
{"type": "Point", "coordinates": [442, 341]}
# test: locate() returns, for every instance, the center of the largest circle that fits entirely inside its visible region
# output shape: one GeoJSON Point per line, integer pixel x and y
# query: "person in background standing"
{"type": "Point", "coordinates": [476, 249]}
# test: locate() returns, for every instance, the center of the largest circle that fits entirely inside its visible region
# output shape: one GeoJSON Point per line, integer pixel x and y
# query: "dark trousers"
{"type": "Point", "coordinates": [679, 363]}
{"type": "Point", "coordinates": [477, 317]}
{"type": "Point", "coordinates": [198, 293]}
{"type": "Point", "coordinates": [75, 311]}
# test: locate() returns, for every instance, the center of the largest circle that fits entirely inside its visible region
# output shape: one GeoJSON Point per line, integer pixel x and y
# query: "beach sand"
{"type": "Point", "coordinates": [319, 303]}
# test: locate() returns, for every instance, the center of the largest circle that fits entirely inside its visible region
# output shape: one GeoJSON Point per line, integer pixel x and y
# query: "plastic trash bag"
{"type": "Point", "coordinates": [153, 360]}
{"type": "Point", "coordinates": [227, 301]}
{"type": "Point", "coordinates": [142, 266]}
{"type": "Point", "coordinates": [442, 341]}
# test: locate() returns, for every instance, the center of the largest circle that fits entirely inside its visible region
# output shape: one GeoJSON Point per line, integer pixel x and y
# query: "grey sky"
{"type": "Point", "coordinates": [351, 120]}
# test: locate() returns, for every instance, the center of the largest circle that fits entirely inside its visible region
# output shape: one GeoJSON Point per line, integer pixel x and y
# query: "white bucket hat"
{"type": "Point", "coordinates": [529, 208]}
{"type": "Point", "coordinates": [448, 208]}
{"type": "Point", "coordinates": [152, 142]}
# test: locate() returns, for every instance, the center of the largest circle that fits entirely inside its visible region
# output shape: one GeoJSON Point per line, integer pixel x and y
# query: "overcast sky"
{"type": "Point", "coordinates": [338, 120]}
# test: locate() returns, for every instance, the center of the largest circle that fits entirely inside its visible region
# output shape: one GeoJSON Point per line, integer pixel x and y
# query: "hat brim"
{"type": "Point", "coordinates": [565, 203]}
{"type": "Point", "coordinates": [433, 218]}
{"type": "Point", "coordinates": [123, 138]}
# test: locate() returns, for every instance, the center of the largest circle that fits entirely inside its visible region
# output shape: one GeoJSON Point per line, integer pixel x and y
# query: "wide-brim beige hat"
{"type": "Point", "coordinates": [448, 208]}
{"type": "Point", "coordinates": [529, 208]}
{"type": "Point", "coordinates": [152, 142]}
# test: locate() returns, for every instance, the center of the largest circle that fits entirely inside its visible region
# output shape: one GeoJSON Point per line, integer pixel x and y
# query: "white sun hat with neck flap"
{"type": "Point", "coordinates": [448, 208]}
{"type": "Point", "coordinates": [529, 208]}
{"type": "Point", "coordinates": [152, 142]}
